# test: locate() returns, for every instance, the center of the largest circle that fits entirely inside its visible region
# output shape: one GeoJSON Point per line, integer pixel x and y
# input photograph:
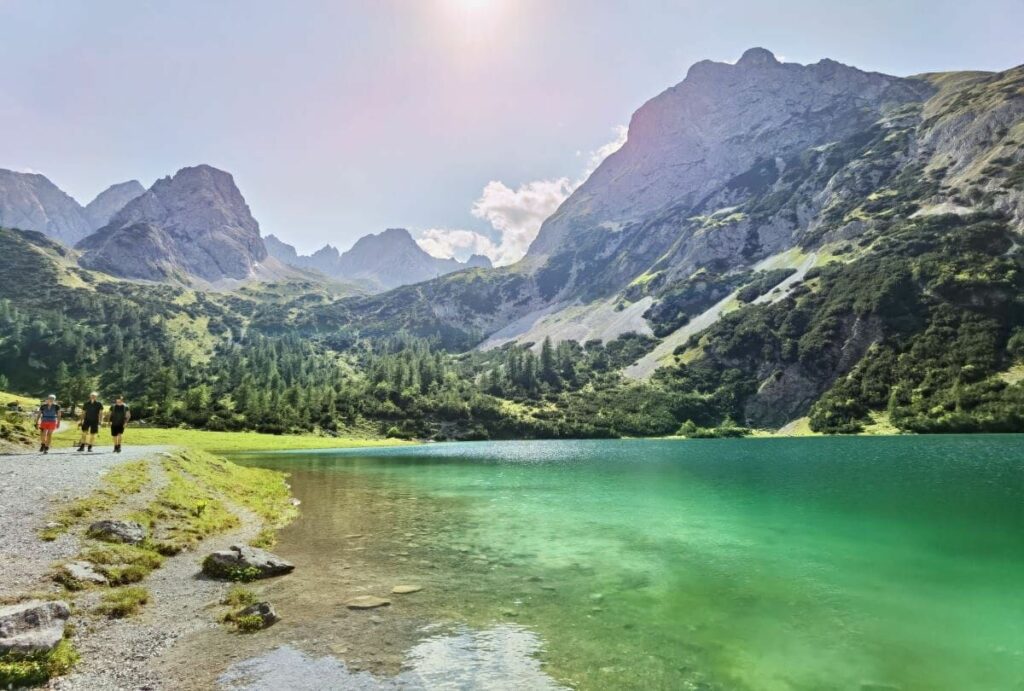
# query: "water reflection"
{"type": "Point", "coordinates": [495, 659]}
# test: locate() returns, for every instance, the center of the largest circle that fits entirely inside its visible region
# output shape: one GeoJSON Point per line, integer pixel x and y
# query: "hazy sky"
{"type": "Point", "coordinates": [342, 118]}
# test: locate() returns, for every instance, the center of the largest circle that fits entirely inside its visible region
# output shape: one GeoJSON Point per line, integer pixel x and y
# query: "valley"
{"type": "Point", "coordinates": [808, 268]}
{"type": "Point", "coordinates": [432, 383]}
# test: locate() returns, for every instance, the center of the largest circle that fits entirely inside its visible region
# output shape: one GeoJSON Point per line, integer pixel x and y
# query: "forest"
{"type": "Point", "coordinates": [938, 300]}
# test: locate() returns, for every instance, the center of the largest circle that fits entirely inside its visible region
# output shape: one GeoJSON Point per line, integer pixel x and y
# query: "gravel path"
{"type": "Point", "coordinates": [30, 483]}
{"type": "Point", "coordinates": [116, 654]}
{"type": "Point", "coordinates": [119, 654]}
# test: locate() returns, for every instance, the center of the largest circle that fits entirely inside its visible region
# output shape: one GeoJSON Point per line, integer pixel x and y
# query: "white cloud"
{"type": "Point", "coordinates": [515, 214]}
{"type": "Point", "coordinates": [446, 242]}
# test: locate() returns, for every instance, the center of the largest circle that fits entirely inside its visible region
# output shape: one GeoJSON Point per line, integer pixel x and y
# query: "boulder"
{"type": "Point", "coordinates": [81, 573]}
{"type": "Point", "coordinates": [32, 627]}
{"type": "Point", "coordinates": [264, 610]}
{"type": "Point", "coordinates": [367, 602]}
{"type": "Point", "coordinates": [126, 532]}
{"type": "Point", "coordinates": [244, 563]}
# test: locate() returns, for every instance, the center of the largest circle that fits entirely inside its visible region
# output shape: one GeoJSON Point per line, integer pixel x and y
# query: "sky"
{"type": "Point", "coordinates": [466, 121]}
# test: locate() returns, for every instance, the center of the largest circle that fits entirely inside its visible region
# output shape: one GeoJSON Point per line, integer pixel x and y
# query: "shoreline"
{"type": "Point", "coordinates": [49, 500]}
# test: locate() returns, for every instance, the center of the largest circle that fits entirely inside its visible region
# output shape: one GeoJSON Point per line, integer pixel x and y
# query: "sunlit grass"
{"type": "Point", "coordinates": [123, 602]}
{"type": "Point", "coordinates": [223, 442]}
{"type": "Point", "coordinates": [122, 481]}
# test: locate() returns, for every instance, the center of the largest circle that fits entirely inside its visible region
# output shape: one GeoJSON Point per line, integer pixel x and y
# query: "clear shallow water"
{"type": "Point", "coordinates": [848, 563]}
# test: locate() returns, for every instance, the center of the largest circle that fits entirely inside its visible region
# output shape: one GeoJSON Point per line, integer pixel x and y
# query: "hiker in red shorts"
{"type": "Point", "coordinates": [48, 419]}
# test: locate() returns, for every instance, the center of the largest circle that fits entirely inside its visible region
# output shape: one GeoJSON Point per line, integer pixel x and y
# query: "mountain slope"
{"type": "Point", "coordinates": [195, 224]}
{"type": "Point", "coordinates": [111, 200]}
{"type": "Point", "coordinates": [379, 262]}
{"type": "Point", "coordinates": [718, 122]}
{"type": "Point", "coordinates": [30, 201]}
{"type": "Point", "coordinates": [796, 252]}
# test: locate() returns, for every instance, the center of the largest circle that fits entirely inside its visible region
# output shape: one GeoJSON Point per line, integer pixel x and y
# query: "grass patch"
{"type": "Point", "coordinates": [123, 564]}
{"type": "Point", "coordinates": [264, 492]}
{"type": "Point", "coordinates": [123, 602]}
{"type": "Point", "coordinates": [186, 511]}
{"type": "Point", "coordinates": [240, 596]}
{"type": "Point", "coordinates": [200, 487]}
{"type": "Point", "coordinates": [225, 442]}
{"type": "Point", "coordinates": [122, 481]}
{"type": "Point", "coordinates": [250, 623]}
{"type": "Point", "coordinates": [17, 671]}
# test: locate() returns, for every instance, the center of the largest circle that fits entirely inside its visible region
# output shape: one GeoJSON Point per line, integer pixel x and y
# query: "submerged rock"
{"type": "Point", "coordinates": [244, 563]}
{"type": "Point", "coordinates": [367, 602]}
{"type": "Point", "coordinates": [32, 627]}
{"type": "Point", "coordinates": [406, 589]}
{"type": "Point", "coordinates": [126, 532]}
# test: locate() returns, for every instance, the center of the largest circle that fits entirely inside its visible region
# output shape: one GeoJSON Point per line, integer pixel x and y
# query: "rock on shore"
{"type": "Point", "coordinates": [244, 563]}
{"type": "Point", "coordinates": [32, 627]}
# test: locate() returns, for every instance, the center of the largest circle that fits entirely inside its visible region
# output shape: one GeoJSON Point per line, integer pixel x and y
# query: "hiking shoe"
{"type": "Point", "coordinates": [46, 449]}
{"type": "Point", "coordinates": [90, 448]}
{"type": "Point", "coordinates": [117, 448]}
{"type": "Point", "coordinates": [81, 447]}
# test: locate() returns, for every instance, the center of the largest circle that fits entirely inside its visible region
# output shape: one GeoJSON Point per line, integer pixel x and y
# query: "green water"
{"type": "Point", "coordinates": [847, 563]}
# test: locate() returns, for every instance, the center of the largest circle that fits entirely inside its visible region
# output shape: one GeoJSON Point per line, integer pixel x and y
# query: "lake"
{"type": "Point", "coordinates": [821, 563]}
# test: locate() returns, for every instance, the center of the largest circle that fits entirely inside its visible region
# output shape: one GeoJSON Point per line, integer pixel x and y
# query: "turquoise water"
{"type": "Point", "coordinates": [846, 563]}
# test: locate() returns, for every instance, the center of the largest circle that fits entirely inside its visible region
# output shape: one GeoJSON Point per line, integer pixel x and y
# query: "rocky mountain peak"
{"type": "Point", "coordinates": [29, 201]}
{"type": "Point", "coordinates": [376, 262]}
{"type": "Point", "coordinates": [111, 200]}
{"type": "Point", "coordinates": [692, 138]}
{"type": "Point", "coordinates": [194, 223]}
{"type": "Point", "coordinates": [757, 57]}
{"type": "Point", "coordinates": [479, 261]}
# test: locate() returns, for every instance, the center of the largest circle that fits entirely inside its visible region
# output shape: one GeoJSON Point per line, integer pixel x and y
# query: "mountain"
{"type": "Point", "coordinates": [689, 141]}
{"type": "Point", "coordinates": [379, 262]}
{"type": "Point", "coordinates": [848, 257]}
{"type": "Point", "coordinates": [195, 224]}
{"type": "Point", "coordinates": [111, 200]}
{"type": "Point", "coordinates": [791, 241]}
{"type": "Point", "coordinates": [31, 202]}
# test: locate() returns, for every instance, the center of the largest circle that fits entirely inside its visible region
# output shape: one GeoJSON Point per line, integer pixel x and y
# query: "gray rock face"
{"type": "Point", "coordinates": [195, 224]}
{"type": "Point", "coordinates": [377, 262]}
{"type": "Point", "coordinates": [241, 562]}
{"type": "Point", "coordinates": [29, 201]}
{"type": "Point", "coordinates": [111, 200]}
{"type": "Point", "coordinates": [126, 532]}
{"type": "Point", "coordinates": [693, 138]}
{"type": "Point", "coordinates": [80, 573]}
{"type": "Point", "coordinates": [32, 627]}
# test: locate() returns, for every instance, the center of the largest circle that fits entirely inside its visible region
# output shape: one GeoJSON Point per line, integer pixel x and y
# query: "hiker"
{"type": "Point", "coordinates": [91, 412]}
{"type": "Point", "coordinates": [47, 419]}
{"type": "Point", "coordinates": [119, 416]}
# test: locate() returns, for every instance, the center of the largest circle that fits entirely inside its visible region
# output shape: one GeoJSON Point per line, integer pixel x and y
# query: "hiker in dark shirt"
{"type": "Point", "coordinates": [92, 410]}
{"type": "Point", "coordinates": [119, 416]}
{"type": "Point", "coordinates": [48, 419]}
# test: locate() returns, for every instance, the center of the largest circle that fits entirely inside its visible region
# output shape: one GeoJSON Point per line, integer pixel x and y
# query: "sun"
{"type": "Point", "coordinates": [473, 5]}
